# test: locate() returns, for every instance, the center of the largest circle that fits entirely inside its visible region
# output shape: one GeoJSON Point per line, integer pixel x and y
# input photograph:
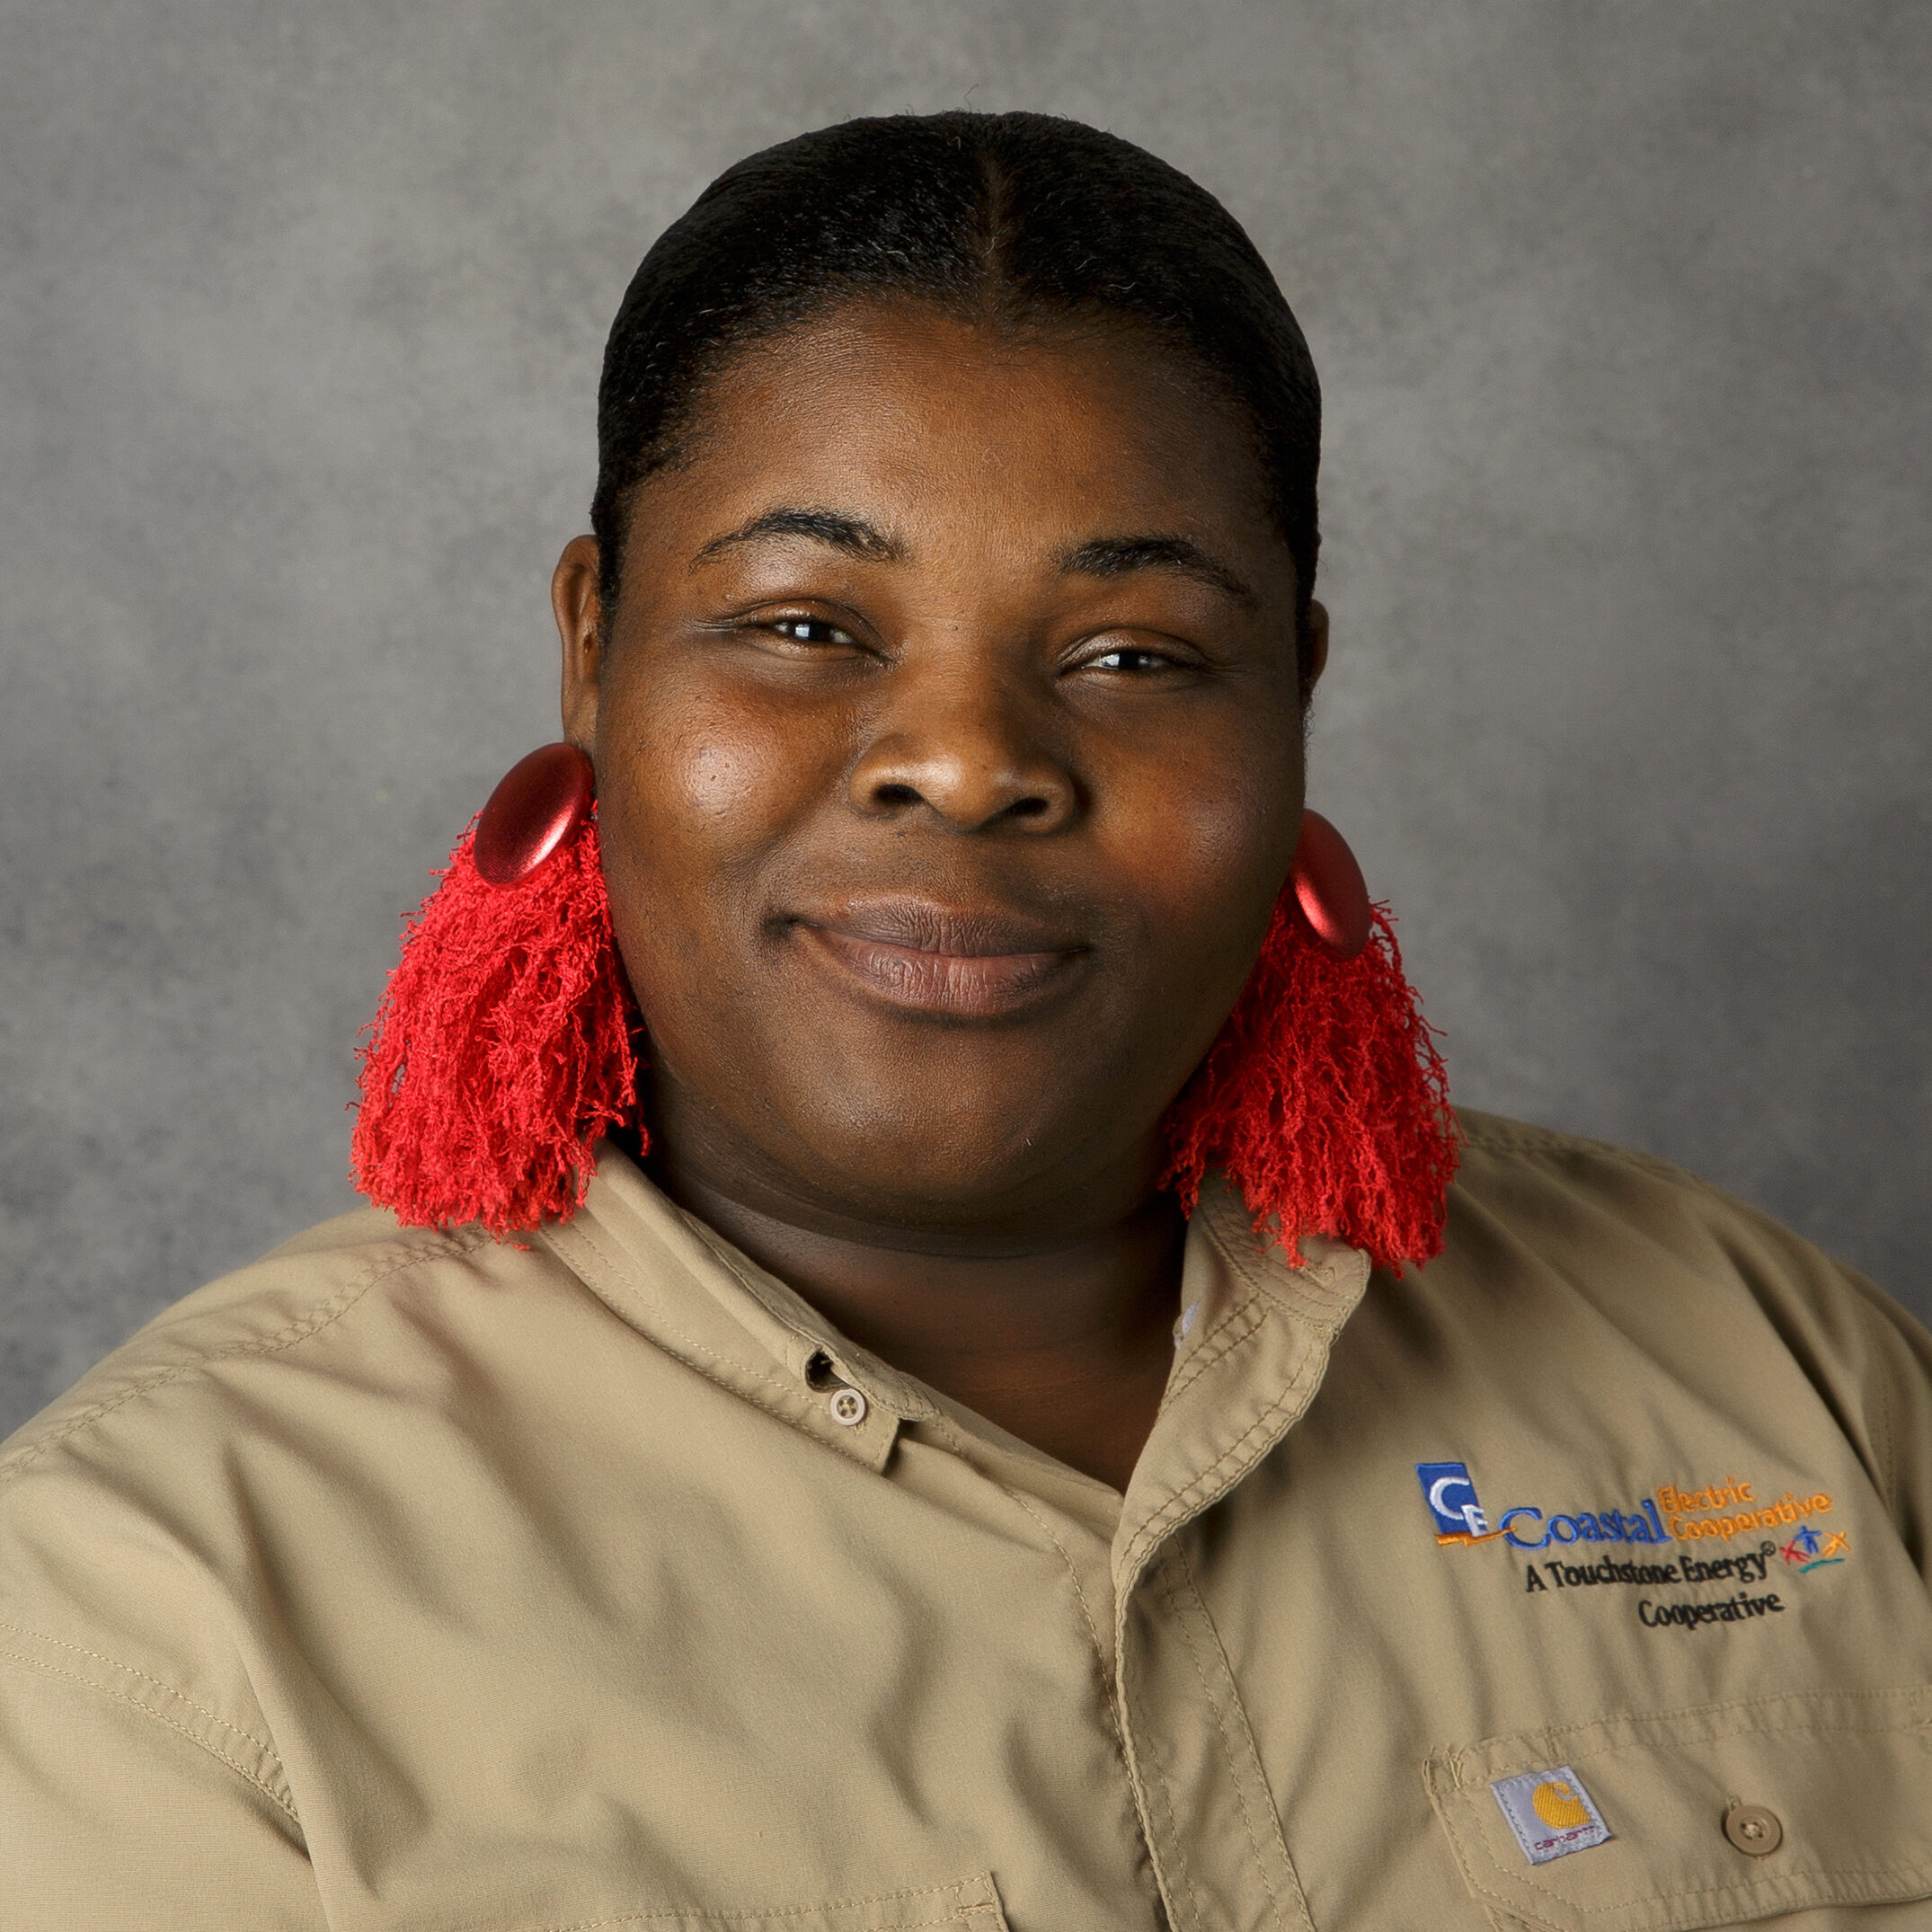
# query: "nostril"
{"type": "Point", "coordinates": [1026, 808]}
{"type": "Point", "coordinates": [896, 794]}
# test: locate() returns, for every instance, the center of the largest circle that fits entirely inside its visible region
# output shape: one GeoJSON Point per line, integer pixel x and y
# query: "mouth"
{"type": "Point", "coordinates": [968, 963]}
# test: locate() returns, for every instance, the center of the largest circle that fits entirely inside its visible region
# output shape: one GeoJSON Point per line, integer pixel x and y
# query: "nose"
{"type": "Point", "coordinates": [966, 755]}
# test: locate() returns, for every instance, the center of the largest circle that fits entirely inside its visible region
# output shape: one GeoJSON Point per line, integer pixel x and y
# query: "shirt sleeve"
{"type": "Point", "coordinates": [112, 1821]}
{"type": "Point", "coordinates": [1870, 1361]}
{"type": "Point", "coordinates": [1896, 1385]}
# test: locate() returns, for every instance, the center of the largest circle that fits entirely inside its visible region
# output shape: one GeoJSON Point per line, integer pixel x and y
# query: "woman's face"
{"type": "Point", "coordinates": [948, 743]}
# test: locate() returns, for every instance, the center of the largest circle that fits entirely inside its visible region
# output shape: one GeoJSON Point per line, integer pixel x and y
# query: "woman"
{"type": "Point", "coordinates": [922, 1365]}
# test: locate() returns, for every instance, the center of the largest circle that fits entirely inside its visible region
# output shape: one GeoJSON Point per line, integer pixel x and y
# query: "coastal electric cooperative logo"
{"type": "Point", "coordinates": [1665, 1521]}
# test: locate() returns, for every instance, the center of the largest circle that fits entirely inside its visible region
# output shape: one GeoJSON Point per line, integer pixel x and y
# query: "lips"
{"type": "Point", "coordinates": [980, 961]}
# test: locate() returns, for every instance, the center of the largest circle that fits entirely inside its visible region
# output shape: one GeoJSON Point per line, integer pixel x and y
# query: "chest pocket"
{"type": "Point", "coordinates": [970, 1905]}
{"type": "Point", "coordinates": [1717, 1816]}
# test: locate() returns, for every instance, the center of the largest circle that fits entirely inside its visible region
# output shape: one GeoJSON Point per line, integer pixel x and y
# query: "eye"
{"type": "Point", "coordinates": [1116, 659]}
{"type": "Point", "coordinates": [810, 631]}
{"type": "Point", "coordinates": [1131, 657]}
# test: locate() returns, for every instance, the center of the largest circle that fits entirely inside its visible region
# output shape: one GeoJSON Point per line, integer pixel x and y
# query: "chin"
{"type": "Point", "coordinates": [920, 1165]}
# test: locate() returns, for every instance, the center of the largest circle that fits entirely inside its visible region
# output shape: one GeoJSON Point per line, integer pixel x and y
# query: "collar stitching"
{"type": "Point", "coordinates": [1178, 1503]}
{"type": "Point", "coordinates": [897, 1398]}
{"type": "Point", "coordinates": [801, 1409]}
{"type": "Point", "coordinates": [1203, 1357]}
{"type": "Point", "coordinates": [1304, 1289]}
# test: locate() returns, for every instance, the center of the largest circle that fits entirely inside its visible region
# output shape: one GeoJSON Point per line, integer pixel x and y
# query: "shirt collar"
{"type": "Point", "coordinates": [1251, 1346]}
{"type": "Point", "coordinates": [1251, 1343]}
{"type": "Point", "coordinates": [681, 1284]}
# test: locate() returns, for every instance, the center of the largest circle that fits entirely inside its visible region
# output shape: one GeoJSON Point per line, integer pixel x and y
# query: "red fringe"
{"type": "Point", "coordinates": [501, 1051]}
{"type": "Point", "coordinates": [1325, 1100]}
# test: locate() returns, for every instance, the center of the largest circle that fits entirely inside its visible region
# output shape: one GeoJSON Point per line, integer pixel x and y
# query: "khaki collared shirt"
{"type": "Point", "coordinates": [406, 1580]}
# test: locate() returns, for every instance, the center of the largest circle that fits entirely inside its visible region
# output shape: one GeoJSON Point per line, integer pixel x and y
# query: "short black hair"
{"type": "Point", "coordinates": [1015, 219]}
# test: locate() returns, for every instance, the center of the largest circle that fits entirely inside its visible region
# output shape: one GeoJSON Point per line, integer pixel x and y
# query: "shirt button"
{"type": "Point", "coordinates": [848, 1406]}
{"type": "Point", "coordinates": [1753, 1829]}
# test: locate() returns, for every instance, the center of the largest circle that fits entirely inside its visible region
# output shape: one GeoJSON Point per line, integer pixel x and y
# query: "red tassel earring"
{"type": "Point", "coordinates": [502, 1049]}
{"type": "Point", "coordinates": [1324, 1096]}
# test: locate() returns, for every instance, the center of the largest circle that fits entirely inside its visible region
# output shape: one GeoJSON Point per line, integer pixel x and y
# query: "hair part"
{"type": "Point", "coordinates": [1015, 221]}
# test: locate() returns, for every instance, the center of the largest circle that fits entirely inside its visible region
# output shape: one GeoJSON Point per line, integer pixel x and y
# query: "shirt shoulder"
{"type": "Point", "coordinates": [296, 1291]}
{"type": "Point", "coordinates": [1579, 1197]}
{"type": "Point", "coordinates": [133, 1510]}
{"type": "Point", "coordinates": [1660, 1252]}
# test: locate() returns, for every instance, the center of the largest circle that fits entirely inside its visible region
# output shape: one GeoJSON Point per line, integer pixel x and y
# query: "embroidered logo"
{"type": "Point", "coordinates": [1664, 1520]}
{"type": "Point", "coordinates": [1451, 1499]}
{"type": "Point", "coordinates": [1733, 1508]}
{"type": "Point", "coordinates": [1811, 1551]}
{"type": "Point", "coordinates": [1459, 1517]}
{"type": "Point", "coordinates": [1550, 1813]}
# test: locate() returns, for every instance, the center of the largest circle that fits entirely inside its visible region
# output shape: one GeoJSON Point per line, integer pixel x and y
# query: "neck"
{"type": "Point", "coordinates": [1064, 1341]}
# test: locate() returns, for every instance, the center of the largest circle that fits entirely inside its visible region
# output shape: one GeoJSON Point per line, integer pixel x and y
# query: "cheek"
{"type": "Point", "coordinates": [1210, 841]}
{"type": "Point", "coordinates": [696, 790]}
{"type": "Point", "coordinates": [695, 797]}
{"type": "Point", "coordinates": [710, 783]}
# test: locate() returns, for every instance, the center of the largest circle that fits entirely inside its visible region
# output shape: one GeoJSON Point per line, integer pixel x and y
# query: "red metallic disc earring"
{"type": "Point", "coordinates": [1330, 893]}
{"type": "Point", "coordinates": [539, 806]}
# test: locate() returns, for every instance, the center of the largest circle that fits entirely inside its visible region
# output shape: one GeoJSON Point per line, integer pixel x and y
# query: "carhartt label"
{"type": "Point", "coordinates": [1550, 1813]}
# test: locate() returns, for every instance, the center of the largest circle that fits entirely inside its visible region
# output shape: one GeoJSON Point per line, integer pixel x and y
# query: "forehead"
{"type": "Point", "coordinates": [963, 432]}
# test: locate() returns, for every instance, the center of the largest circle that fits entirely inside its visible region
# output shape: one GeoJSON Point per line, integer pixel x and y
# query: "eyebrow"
{"type": "Point", "coordinates": [1099, 556]}
{"type": "Point", "coordinates": [1121, 556]}
{"type": "Point", "coordinates": [834, 529]}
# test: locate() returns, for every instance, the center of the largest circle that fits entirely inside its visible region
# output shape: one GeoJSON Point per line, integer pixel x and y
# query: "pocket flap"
{"type": "Point", "coordinates": [967, 1905]}
{"type": "Point", "coordinates": [1846, 1779]}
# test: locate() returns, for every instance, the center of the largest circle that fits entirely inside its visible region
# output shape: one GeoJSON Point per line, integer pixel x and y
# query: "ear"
{"type": "Point", "coordinates": [1317, 658]}
{"type": "Point", "coordinates": [579, 615]}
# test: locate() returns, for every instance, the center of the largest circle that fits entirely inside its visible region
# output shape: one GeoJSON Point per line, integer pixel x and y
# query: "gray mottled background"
{"type": "Point", "coordinates": [1621, 312]}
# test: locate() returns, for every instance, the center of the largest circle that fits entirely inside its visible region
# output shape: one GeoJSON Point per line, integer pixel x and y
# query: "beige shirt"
{"type": "Point", "coordinates": [405, 1580]}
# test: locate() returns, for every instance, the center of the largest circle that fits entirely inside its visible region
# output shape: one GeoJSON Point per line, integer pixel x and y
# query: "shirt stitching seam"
{"type": "Point", "coordinates": [901, 1396]}
{"type": "Point", "coordinates": [793, 1398]}
{"type": "Point", "coordinates": [957, 1915]}
{"type": "Point", "coordinates": [1092, 1633]}
{"type": "Point", "coordinates": [1888, 1431]}
{"type": "Point", "coordinates": [1172, 1837]}
{"type": "Point", "coordinates": [1245, 1264]}
{"type": "Point", "coordinates": [1175, 1561]}
{"type": "Point", "coordinates": [961, 1907]}
{"type": "Point", "coordinates": [950, 1432]}
{"type": "Point", "coordinates": [1281, 1281]}
{"type": "Point", "coordinates": [1545, 1143]}
{"type": "Point", "coordinates": [1087, 1613]}
{"type": "Point", "coordinates": [1739, 1889]}
{"type": "Point", "coordinates": [586, 1230]}
{"type": "Point", "coordinates": [241, 1770]}
{"type": "Point", "coordinates": [1549, 1740]}
{"type": "Point", "coordinates": [234, 1731]}
{"type": "Point", "coordinates": [1758, 1730]}
{"type": "Point", "coordinates": [1202, 1358]}
{"type": "Point", "coordinates": [1298, 1899]}
{"type": "Point", "coordinates": [1158, 1524]}
{"type": "Point", "coordinates": [289, 1336]}
{"type": "Point", "coordinates": [792, 1409]}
